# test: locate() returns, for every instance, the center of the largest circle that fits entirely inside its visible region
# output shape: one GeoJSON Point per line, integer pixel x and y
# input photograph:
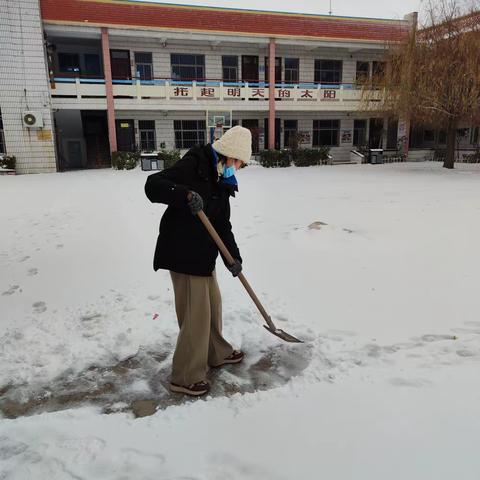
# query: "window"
{"type": "Point", "coordinates": [230, 68]}
{"type": "Point", "coordinates": [290, 128]}
{"type": "Point", "coordinates": [442, 137]}
{"type": "Point", "coordinates": [359, 133]}
{"type": "Point", "coordinates": [278, 69]}
{"type": "Point", "coordinates": [363, 72]}
{"type": "Point", "coordinates": [189, 133]}
{"type": "Point", "coordinates": [378, 71]}
{"type": "Point", "coordinates": [292, 70]}
{"type": "Point", "coordinates": [144, 65]}
{"type": "Point", "coordinates": [392, 134]}
{"type": "Point", "coordinates": [326, 133]}
{"type": "Point", "coordinates": [188, 67]}
{"type": "Point", "coordinates": [2, 138]}
{"type": "Point", "coordinates": [92, 64]}
{"type": "Point", "coordinates": [147, 135]}
{"type": "Point", "coordinates": [69, 62]}
{"type": "Point", "coordinates": [328, 71]}
{"type": "Point", "coordinates": [429, 135]}
{"type": "Point", "coordinates": [474, 135]}
{"type": "Point", "coordinates": [234, 124]}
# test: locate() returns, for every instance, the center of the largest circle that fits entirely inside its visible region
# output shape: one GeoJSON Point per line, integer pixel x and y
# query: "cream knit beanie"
{"type": "Point", "coordinates": [235, 143]}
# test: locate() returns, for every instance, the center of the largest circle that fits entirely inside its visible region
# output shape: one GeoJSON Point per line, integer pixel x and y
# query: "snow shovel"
{"type": "Point", "coordinates": [270, 325]}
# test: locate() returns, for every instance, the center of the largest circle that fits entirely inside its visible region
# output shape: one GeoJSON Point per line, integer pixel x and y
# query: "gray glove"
{"type": "Point", "coordinates": [236, 268]}
{"type": "Point", "coordinates": [195, 202]}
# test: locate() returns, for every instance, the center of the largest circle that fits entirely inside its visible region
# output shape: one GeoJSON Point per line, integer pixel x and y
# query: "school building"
{"type": "Point", "coordinates": [80, 79]}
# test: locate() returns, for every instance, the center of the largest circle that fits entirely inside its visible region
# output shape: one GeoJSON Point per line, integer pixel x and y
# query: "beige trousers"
{"type": "Point", "coordinates": [200, 343]}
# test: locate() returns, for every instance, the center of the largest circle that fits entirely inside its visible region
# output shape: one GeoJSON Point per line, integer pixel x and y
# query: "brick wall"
{"type": "Point", "coordinates": [24, 86]}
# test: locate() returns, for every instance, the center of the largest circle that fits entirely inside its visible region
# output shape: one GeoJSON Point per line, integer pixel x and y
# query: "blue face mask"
{"type": "Point", "coordinates": [228, 172]}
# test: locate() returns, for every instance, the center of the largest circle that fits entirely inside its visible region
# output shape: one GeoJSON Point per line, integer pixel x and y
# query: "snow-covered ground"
{"type": "Point", "coordinates": [384, 291]}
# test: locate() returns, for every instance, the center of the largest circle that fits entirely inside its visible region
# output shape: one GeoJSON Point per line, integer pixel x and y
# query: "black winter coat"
{"type": "Point", "coordinates": [184, 245]}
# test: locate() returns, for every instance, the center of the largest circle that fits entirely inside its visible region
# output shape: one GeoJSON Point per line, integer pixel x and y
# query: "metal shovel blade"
{"type": "Point", "coordinates": [283, 335]}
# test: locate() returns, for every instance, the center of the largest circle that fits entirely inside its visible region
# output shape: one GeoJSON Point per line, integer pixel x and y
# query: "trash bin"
{"type": "Point", "coordinates": [150, 161]}
{"type": "Point", "coordinates": [376, 155]}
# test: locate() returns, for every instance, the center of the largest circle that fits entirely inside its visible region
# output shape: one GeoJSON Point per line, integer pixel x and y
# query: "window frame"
{"type": "Point", "coordinates": [97, 72]}
{"type": "Point", "coordinates": [318, 129]}
{"type": "Point", "coordinates": [379, 70]}
{"type": "Point", "coordinates": [289, 70]}
{"type": "Point", "coordinates": [198, 67]}
{"type": "Point", "coordinates": [144, 65]}
{"type": "Point", "coordinates": [150, 133]}
{"type": "Point", "coordinates": [362, 77]}
{"type": "Point", "coordinates": [230, 68]}
{"type": "Point", "coordinates": [392, 134]}
{"type": "Point", "coordinates": [61, 59]}
{"type": "Point", "coordinates": [319, 71]}
{"type": "Point", "coordinates": [356, 133]}
{"type": "Point", "coordinates": [290, 131]}
{"type": "Point", "coordinates": [200, 132]}
{"type": "Point", "coordinates": [3, 147]}
{"type": "Point", "coordinates": [429, 135]}
{"type": "Point", "coordinates": [474, 135]}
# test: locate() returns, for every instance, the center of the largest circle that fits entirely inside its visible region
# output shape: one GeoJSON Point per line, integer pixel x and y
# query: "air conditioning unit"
{"type": "Point", "coordinates": [32, 119]}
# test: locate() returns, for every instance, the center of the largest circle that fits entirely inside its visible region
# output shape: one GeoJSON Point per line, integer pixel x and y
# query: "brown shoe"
{"type": "Point", "coordinates": [194, 390]}
{"type": "Point", "coordinates": [235, 357]}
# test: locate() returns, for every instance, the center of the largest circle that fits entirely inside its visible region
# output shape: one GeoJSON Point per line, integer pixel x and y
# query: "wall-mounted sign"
{"type": "Point", "coordinates": [304, 137]}
{"type": "Point", "coordinates": [124, 125]}
{"type": "Point", "coordinates": [402, 128]}
{"type": "Point", "coordinates": [44, 135]}
{"type": "Point", "coordinates": [346, 136]}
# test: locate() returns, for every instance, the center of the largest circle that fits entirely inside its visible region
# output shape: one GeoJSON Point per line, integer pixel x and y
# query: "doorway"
{"type": "Point", "coordinates": [250, 68]}
{"type": "Point", "coordinates": [95, 132]}
{"type": "Point", "coordinates": [82, 139]}
{"type": "Point", "coordinates": [120, 61]}
{"type": "Point", "coordinates": [375, 136]}
{"type": "Point", "coordinates": [277, 133]}
{"type": "Point", "coordinates": [252, 125]}
{"type": "Point", "coordinates": [125, 135]}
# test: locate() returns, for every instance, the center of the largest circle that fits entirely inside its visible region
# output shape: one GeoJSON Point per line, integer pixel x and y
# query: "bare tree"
{"type": "Point", "coordinates": [433, 77]}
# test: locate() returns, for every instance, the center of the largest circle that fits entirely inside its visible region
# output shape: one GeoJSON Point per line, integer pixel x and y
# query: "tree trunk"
{"type": "Point", "coordinates": [451, 140]}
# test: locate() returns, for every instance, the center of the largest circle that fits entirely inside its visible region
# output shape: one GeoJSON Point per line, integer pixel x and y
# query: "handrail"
{"type": "Point", "coordinates": [208, 90]}
{"type": "Point", "coordinates": [209, 82]}
{"type": "Point", "coordinates": [357, 153]}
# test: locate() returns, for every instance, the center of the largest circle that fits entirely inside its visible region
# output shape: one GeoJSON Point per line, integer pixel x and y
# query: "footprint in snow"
{"type": "Point", "coordinates": [11, 290]}
{"type": "Point", "coordinates": [32, 272]}
{"type": "Point", "coordinates": [39, 307]}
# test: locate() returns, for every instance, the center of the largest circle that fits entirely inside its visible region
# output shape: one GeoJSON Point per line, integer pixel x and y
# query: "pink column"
{"type": "Point", "coordinates": [271, 101]}
{"type": "Point", "coordinates": [107, 69]}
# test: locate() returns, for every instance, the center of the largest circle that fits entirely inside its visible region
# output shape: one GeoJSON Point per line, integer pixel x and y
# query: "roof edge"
{"type": "Point", "coordinates": [249, 11]}
{"type": "Point", "coordinates": [214, 32]}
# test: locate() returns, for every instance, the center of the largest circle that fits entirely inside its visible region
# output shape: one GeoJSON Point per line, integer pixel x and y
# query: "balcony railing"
{"type": "Point", "coordinates": [207, 90]}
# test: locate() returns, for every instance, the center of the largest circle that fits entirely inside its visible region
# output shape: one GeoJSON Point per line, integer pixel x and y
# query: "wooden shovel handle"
{"type": "Point", "coordinates": [221, 246]}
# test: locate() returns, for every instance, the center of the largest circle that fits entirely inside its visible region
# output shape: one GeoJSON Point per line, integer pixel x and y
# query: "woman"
{"type": "Point", "coordinates": [203, 179]}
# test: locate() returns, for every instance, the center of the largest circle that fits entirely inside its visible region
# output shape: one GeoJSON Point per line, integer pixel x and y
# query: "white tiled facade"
{"type": "Point", "coordinates": [24, 86]}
